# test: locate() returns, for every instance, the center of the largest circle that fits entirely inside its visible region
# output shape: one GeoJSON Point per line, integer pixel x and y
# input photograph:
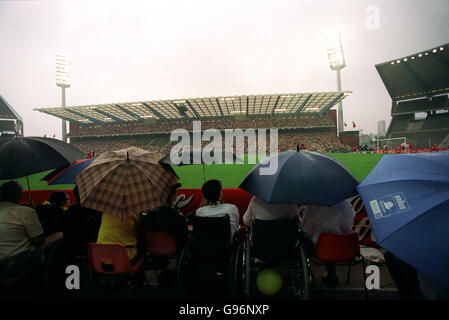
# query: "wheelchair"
{"type": "Point", "coordinates": [207, 263]}
{"type": "Point", "coordinates": [276, 244]}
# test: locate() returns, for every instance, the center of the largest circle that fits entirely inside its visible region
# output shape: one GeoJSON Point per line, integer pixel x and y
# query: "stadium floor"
{"type": "Point", "coordinates": [231, 175]}
{"type": "Point", "coordinates": [168, 291]}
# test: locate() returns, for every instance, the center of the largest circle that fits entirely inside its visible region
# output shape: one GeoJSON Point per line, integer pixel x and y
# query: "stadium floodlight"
{"type": "Point", "coordinates": [335, 50]}
{"type": "Point", "coordinates": [62, 70]}
{"type": "Point", "coordinates": [63, 81]}
{"type": "Point", "coordinates": [336, 62]}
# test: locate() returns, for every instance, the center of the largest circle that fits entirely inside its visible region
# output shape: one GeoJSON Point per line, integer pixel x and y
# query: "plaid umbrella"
{"type": "Point", "coordinates": [125, 182]}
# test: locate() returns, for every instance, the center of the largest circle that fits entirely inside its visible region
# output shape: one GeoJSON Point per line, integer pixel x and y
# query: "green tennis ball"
{"type": "Point", "coordinates": [269, 282]}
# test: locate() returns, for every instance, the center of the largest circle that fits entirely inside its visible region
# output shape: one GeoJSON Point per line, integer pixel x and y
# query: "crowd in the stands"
{"type": "Point", "coordinates": [161, 126]}
{"type": "Point", "coordinates": [322, 141]}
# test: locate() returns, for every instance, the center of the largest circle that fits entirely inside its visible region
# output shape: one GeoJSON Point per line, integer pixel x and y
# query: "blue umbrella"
{"type": "Point", "coordinates": [407, 199]}
{"type": "Point", "coordinates": [67, 175]}
{"type": "Point", "coordinates": [302, 177]}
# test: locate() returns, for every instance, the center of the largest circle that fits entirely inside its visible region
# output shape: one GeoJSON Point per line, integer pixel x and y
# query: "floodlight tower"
{"type": "Point", "coordinates": [63, 81]}
{"type": "Point", "coordinates": [336, 62]}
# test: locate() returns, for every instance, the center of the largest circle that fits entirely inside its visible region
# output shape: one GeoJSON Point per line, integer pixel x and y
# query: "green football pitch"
{"type": "Point", "coordinates": [231, 175]}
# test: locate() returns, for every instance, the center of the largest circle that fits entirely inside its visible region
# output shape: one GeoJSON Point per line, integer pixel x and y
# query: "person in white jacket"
{"type": "Point", "coordinates": [213, 206]}
{"type": "Point", "coordinates": [337, 219]}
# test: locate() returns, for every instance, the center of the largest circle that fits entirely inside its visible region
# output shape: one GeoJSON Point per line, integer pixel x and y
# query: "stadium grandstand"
{"type": "Point", "coordinates": [11, 123]}
{"type": "Point", "coordinates": [301, 118]}
{"type": "Point", "coordinates": [418, 86]}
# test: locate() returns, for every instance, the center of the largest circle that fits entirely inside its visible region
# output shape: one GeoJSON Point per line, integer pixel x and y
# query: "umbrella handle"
{"type": "Point", "coordinates": [29, 191]}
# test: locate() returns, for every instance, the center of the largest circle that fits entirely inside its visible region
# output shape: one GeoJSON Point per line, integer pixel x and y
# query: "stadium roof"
{"type": "Point", "coordinates": [197, 108]}
{"type": "Point", "coordinates": [7, 112]}
{"type": "Point", "coordinates": [418, 75]}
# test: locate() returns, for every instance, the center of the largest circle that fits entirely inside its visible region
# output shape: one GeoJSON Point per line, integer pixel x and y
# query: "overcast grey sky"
{"type": "Point", "coordinates": [126, 51]}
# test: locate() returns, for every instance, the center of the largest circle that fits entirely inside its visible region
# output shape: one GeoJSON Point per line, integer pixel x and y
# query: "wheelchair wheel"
{"type": "Point", "coordinates": [236, 273]}
{"type": "Point", "coordinates": [54, 267]}
{"type": "Point", "coordinates": [301, 274]}
{"type": "Point", "coordinates": [247, 272]}
{"type": "Point", "coordinates": [184, 273]}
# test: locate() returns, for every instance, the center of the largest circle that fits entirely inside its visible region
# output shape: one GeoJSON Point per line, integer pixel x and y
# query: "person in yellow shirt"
{"type": "Point", "coordinates": [125, 231]}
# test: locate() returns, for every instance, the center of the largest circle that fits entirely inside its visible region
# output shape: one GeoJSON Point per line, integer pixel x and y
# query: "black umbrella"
{"type": "Point", "coordinates": [192, 157]}
{"type": "Point", "coordinates": [302, 177]}
{"type": "Point", "coordinates": [23, 156]}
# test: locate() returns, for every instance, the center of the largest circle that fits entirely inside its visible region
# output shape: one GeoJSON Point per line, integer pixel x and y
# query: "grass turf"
{"type": "Point", "coordinates": [231, 175]}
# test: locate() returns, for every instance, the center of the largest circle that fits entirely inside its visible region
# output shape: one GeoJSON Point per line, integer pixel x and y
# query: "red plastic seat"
{"type": "Point", "coordinates": [341, 249]}
{"type": "Point", "coordinates": [160, 243]}
{"type": "Point", "coordinates": [338, 248]}
{"type": "Point", "coordinates": [114, 256]}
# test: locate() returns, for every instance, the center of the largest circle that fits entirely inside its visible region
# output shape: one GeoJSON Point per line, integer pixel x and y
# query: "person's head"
{"type": "Point", "coordinates": [59, 198]}
{"type": "Point", "coordinates": [212, 191]}
{"type": "Point", "coordinates": [11, 191]}
{"type": "Point", "coordinates": [172, 193]}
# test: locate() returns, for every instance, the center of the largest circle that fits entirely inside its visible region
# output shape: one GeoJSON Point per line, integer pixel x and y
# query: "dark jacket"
{"type": "Point", "coordinates": [166, 219]}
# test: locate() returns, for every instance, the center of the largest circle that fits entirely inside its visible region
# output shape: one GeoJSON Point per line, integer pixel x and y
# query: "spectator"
{"type": "Point", "coordinates": [60, 199]}
{"type": "Point", "coordinates": [411, 284]}
{"type": "Point", "coordinates": [125, 231]}
{"type": "Point", "coordinates": [103, 138]}
{"type": "Point", "coordinates": [404, 276]}
{"type": "Point", "coordinates": [80, 226]}
{"type": "Point", "coordinates": [337, 219]}
{"type": "Point", "coordinates": [212, 205]}
{"type": "Point", "coordinates": [51, 213]}
{"type": "Point", "coordinates": [22, 239]}
{"type": "Point", "coordinates": [261, 210]}
{"type": "Point", "coordinates": [167, 219]}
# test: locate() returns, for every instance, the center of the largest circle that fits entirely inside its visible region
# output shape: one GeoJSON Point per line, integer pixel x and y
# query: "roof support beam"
{"type": "Point", "coordinates": [132, 114]}
{"type": "Point", "coordinates": [107, 114]}
{"type": "Point", "coordinates": [219, 107]}
{"type": "Point", "coordinates": [276, 104]}
{"type": "Point", "coordinates": [301, 107]}
{"type": "Point", "coordinates": [94, 120]}
{"type": "Point", "coordinates": [65, 118]}
{"type": "Point", "coordinates": [154, 111]}
{"type": "Point", "coordinates": [331, 104]}
{"type": "Point", "coordinates": [415, 76]}
{"type": "Point", "coordinates": [193, 110]}
{"type": "Point", "coordinates": [183, 114]}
